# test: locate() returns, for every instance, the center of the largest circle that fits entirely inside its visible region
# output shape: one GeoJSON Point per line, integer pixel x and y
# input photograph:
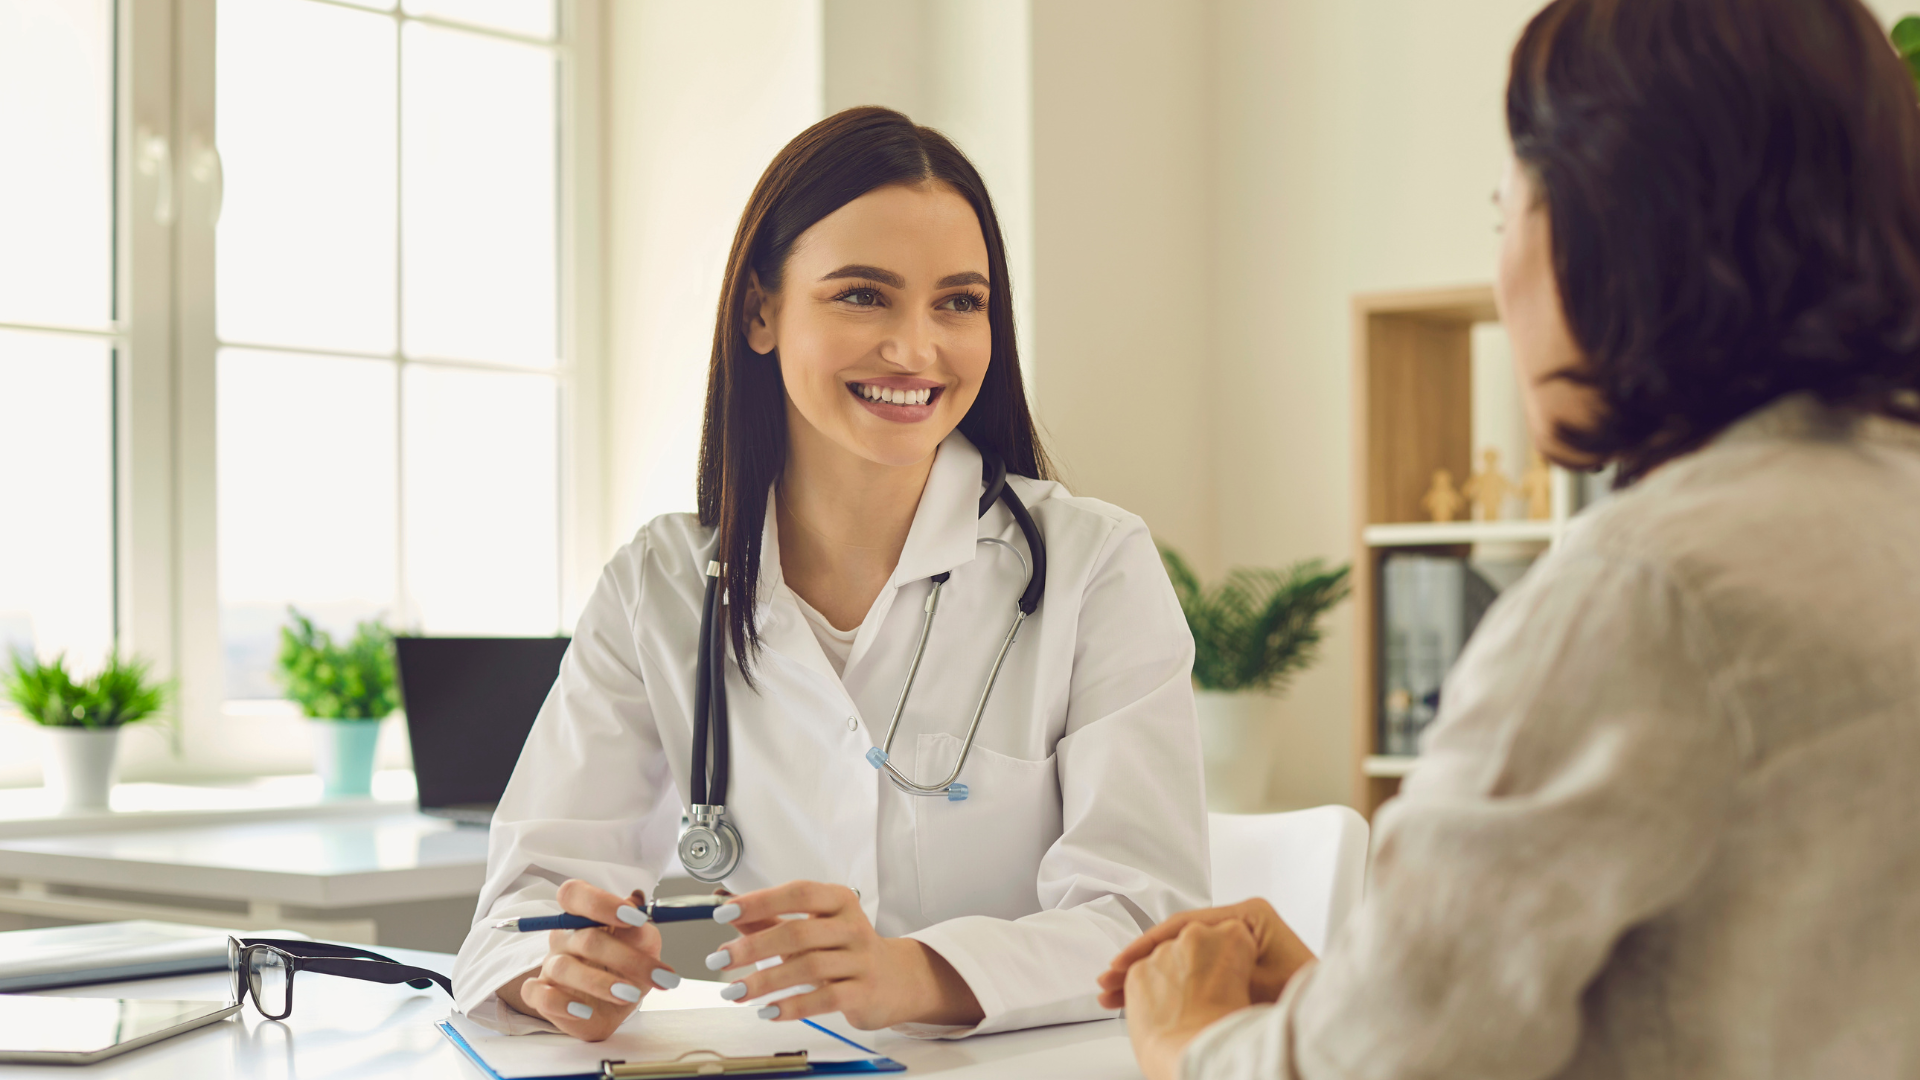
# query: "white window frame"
{"type": "Point", "coordinates": [167, 604]}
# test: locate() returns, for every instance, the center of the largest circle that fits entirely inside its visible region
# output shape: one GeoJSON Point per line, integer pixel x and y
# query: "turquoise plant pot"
{"type": "Point", "coordinates": [343, 755]}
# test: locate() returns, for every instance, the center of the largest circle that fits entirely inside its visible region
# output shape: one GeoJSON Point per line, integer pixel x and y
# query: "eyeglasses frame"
{"type": "Point", "coordinates": [321, 958]}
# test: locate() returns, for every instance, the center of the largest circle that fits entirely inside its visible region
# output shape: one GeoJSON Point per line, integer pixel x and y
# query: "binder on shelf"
{"type": "Point", "coordinates": [1430, 606]}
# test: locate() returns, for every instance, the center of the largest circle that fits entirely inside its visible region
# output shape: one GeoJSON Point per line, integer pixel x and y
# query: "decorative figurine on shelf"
{"type": "Point", "coordinates": [1442, 501]}
{"type": "Point", "coordinates": [1537, 487]}
{"type": "Point", "coordinates": [1489, 487]}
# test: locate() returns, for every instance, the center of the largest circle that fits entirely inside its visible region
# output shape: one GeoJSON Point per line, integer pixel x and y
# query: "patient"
{"type": "Point", "coordinates": [1668, 823]}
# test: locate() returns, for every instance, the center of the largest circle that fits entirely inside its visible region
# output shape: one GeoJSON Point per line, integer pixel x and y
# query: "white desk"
{"type": "Point", "coordinates": [367, 1031]}
{"type": "Point", "coordinates": [326, 865]}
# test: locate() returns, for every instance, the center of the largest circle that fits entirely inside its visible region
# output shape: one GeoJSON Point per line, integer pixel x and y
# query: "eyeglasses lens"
{"type": "Point", "coordinates": [268, 978]}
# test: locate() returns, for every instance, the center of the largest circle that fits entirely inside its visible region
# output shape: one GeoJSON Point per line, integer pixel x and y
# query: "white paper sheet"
{"type": "Point", "coordinates": [653, 1035]}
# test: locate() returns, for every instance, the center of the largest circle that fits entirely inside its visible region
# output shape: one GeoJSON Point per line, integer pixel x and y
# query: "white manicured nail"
{"type": "Point", "coordinates": [584, 1012]}
{"type": "Point", "coordinates": [631, 915]}
{"type": "Point", "coordinates": [664, 979]}
{"type": "Point", "coordinates": [721, 959]}
{"type": "Point", "coordinates": [734, 991]}
{"type": "Point", "coordinates": [626, 991]}
{"type": "Point", "coordinates": [768, 1012]}
{"type": "Point", "coordinates": [726, 913]}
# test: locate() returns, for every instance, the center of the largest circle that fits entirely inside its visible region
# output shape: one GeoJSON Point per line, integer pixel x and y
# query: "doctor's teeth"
{"type": "Point", "coordinates": [892, 396]}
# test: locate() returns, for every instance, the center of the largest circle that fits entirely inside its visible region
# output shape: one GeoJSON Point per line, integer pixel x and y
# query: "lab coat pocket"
{"type": "Point", "coordinates": [982, 856]}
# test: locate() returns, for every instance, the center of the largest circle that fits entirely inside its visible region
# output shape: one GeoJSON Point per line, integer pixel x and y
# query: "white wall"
{"type": "Point", "coordinates": [1122, 257]}
{"type": "Point", "coordinates": [700, 98]}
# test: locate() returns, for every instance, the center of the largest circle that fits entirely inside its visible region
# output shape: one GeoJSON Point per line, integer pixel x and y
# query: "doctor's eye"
{"type": "Point", "coordinates": [966, 301]}
{"type": "Point", "coordinates": [861, 296]}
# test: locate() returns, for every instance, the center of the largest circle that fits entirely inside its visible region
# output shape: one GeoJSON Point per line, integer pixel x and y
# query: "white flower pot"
{"type": "Point", "coordinates": [78, 765]}
{"type": "Point", "coordinates": [1234, 749]}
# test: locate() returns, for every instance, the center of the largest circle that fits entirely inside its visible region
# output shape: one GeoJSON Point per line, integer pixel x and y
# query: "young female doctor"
{"type": "Point", "coordinates": [806, 725]}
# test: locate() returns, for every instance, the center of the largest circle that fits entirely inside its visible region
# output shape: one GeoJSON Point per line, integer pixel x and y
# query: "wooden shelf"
{"type": "Point", "coordinates": [1428, 533]}
{"type": "Point", "coordinates": [1414, 399]}
{"type": "Point", "coordinates": [1388, 766]}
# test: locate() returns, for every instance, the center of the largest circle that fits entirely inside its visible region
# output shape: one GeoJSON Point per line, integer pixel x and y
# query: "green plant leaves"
{"type": "Point", "coordinates": [1906, 41]}
{"type": "Point", "coordinates": [354, 681]}
{"type": "Point", "coordinates": [124, 692]}
{"type": "Point", "coordinates": [1257, 628]}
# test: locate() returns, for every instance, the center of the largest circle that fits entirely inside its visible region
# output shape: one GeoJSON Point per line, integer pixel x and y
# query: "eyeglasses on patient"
{"type": "Point", "coordinates": [264, 968]}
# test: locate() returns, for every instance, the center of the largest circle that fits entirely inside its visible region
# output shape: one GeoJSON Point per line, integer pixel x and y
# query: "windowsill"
{"type": "Point", "coordinates": [30, 811]}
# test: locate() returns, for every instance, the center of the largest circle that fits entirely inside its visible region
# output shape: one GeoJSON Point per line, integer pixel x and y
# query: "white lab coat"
{"type": "Point", "coordinates": [1086, 822]}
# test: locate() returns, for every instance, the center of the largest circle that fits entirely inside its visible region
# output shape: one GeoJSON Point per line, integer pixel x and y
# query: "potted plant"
{"type": "Point", "coordinates": [1252, 633]}
{"type": "Point", "coordinates": [80, 721]}
{"type": "Point", "coordinates": [345, 691]}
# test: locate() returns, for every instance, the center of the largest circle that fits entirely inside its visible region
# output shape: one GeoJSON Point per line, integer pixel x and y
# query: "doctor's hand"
{"type": "Point", "coordinates": [593, 979]}
{"type": "Point", "coordinates": [1278, 952]}
{"type": "Point", "coordinates": [1185, 984]}
{"type": "Point", "coordinates": [847, 967]}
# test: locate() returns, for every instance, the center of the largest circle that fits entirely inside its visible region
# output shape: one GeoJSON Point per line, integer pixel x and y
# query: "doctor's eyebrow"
{"type": "Point", "coordinates": [889, 278]}
{"type": "Point", "coordinates": [872, 273]}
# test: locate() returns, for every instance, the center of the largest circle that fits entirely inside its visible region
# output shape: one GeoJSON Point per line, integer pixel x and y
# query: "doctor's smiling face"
{"type": "Point", "coordinates": [880, 323]}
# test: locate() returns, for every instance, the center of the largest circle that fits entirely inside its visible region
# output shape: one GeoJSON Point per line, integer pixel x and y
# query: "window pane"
{"type": "Point", "coordinates": [307, 107]}
{"type": "Point", "coordinates": [56, 190]}
{"type": "Point", "coordinates": [56, 455]}
{"type": "Point", "coordinates": [482, 503]}
{"type": "Point", "coordinates": [478, 197]}
{"type": "Point", "coordinates": [307, 473]}
{"type": "Point", "coordinates": [531, 17]}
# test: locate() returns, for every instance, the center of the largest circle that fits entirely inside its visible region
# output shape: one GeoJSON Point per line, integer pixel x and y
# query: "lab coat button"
{"type": "Point", "coordinates": [853, 723]}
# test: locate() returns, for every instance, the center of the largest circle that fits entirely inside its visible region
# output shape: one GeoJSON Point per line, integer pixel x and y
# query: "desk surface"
{"type": "Point", "coordinates": [326, 862]}
{"type": "Point", "coordinates": [366, 1031]}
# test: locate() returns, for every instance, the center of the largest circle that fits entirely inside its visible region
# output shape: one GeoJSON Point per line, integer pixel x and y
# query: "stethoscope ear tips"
{"type": "Point", "coordinates": [956, 793]}
{"type": "Point", "coordinates": [876, 757]}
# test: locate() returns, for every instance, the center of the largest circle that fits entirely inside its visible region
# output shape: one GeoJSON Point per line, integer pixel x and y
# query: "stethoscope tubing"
{"type": "Point", "coordinates": [902, 780]}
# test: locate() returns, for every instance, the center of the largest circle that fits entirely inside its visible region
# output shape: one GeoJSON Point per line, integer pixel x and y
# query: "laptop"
{"type": "Point", "coordinates": [470, 703]}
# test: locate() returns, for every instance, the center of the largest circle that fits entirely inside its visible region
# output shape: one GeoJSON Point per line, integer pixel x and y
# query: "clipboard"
{"type": "Point", "coordinates": [708, 1063]}
{"type": "Point", "coordinates": [592, 1061]}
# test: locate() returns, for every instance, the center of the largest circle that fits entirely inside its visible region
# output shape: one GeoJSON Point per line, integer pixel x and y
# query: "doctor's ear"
{"type": "Point", "coordinates": [761, 311]}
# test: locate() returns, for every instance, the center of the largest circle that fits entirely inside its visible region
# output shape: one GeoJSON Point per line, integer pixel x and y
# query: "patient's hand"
{"type": "Point", "coordinates": [1278, 952]}
{"type": "Point", "coordinates": [593, 979]}
{"type": "Point", "coordinates": [1182, 987]}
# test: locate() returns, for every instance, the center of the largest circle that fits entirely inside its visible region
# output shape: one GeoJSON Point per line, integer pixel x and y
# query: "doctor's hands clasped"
{"type": "Point", "coordinates": [874, 981]}
{"type": "Point", "coordinates": [593, 979]}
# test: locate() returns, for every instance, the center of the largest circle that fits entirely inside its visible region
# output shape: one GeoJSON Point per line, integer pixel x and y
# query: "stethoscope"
{"type": "Point", "coordinates": [710, 845]}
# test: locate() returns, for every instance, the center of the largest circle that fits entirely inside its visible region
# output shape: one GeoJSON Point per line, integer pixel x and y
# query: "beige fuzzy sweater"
{"type": "Point", "coordinates": [1668, 822]}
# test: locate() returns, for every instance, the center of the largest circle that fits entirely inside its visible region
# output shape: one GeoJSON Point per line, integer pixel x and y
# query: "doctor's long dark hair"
{"type": "Point", "coordinates": [743, 441]}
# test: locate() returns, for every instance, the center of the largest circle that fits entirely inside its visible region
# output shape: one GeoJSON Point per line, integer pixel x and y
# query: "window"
{"type": "Point", "coordinates": [57, 331]}
{"type": "Point", "coordinates": [389, 371]}
{"type": "Point", "coordinates": [297, 306]}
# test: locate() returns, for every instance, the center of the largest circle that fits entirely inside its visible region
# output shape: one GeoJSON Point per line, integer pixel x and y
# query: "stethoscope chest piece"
{"type": "Point", "coordinates": [709, 844]}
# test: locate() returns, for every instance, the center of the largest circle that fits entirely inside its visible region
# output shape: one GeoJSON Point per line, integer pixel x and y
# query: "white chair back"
{"type": "Point", "coordinates": [1311, 865]}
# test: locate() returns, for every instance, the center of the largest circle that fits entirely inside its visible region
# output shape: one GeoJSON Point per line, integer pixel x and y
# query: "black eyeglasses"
{"type": "Point", "coordinates": [264, 967]}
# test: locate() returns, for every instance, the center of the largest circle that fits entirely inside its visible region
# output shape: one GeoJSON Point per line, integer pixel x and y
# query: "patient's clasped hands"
{"type": "Point", "coordinates": [1179, 977]}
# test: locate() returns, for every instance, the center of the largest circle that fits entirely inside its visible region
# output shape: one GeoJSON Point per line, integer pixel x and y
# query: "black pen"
{"type": "Point", "coordinates": [664, 910]}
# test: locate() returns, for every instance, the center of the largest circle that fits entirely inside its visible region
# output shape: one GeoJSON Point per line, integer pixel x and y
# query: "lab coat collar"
{"type": "Point", "coordinates": [945, 526]}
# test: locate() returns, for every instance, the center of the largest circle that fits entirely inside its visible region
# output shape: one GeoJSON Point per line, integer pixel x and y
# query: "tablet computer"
{"type": "Point", "coordinates": [45, 1030]}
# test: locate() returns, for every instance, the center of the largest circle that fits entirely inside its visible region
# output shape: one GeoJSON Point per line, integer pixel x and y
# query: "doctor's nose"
{"type": "Point", "coordinates": [913, 345]}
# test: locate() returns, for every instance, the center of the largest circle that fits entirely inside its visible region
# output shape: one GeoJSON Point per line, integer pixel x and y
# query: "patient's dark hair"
{"type": "Point", "coordinates": [1734, 193]}
{"type": "Point", "coordinates": [743, 442]}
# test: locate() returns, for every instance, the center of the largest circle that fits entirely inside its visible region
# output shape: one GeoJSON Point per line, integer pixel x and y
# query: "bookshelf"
{"type": "Point", "coordinates": [1414, 401]}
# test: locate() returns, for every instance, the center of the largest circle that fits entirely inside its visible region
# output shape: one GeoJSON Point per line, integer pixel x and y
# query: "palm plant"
{"type": "Point", "coordinates": [1906, 42]}
{"type": "Point", "coordinates": [1256, 629]}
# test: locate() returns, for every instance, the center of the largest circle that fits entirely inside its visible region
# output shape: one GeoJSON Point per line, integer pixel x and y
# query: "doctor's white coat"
{"type": "Point", "coordinates": [1086, 822]}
